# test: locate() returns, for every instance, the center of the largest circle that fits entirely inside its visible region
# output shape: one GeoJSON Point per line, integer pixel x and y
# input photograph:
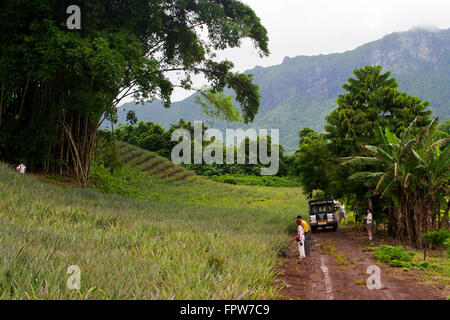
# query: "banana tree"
{"type": "Point", "coordinates": [412, 173]}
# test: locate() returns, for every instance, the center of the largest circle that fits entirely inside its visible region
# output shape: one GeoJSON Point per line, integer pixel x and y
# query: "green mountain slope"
{"type": "Point", "coordinates": [302, 90]}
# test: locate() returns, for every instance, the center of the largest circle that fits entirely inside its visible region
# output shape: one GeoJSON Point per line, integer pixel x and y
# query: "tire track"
{"type": "Point", "coordinates": [327, 278]}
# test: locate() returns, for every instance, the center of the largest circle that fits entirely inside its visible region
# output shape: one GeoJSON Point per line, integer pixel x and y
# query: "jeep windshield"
{"type": "Point", "coordinates": [321, 207]}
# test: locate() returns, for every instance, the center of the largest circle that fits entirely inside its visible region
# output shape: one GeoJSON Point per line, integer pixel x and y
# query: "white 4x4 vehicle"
{"type": "Point", "coordinates": [322, 214]}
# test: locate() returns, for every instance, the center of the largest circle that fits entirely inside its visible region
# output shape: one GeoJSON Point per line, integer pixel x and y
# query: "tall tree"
{"type": "Point", "coordinates": [371, 100]}
{"type": "Point", "coordinates": [311, 161]}
{"type": "Point", "coordinates": [412, 173]}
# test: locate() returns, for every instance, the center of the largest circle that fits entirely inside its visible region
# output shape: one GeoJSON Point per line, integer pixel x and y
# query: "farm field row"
{"type": "Point", "coordinates": [178, 236]}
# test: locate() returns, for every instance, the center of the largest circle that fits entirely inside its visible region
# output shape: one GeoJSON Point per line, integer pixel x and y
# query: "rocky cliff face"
{"type": "Point", "coordinates": [302, 90]}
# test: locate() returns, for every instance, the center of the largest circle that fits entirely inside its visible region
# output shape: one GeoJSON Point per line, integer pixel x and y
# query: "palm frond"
{"type": "Point", "coordinates": [439, 143]}
{"type": "Point", "coordinates": [410, 127]}
{"type": "Point", "coordinates": [391, 137]}
{"type": "Point", "coordinates": [389, 188]}
{"type": "Point", "coordinates": [365, 175]}
{"type": "Point", "coordinates": [361, 161]}
{"type": "Point", "coordinates": [416, 155]}
{"type": "Point", "coordinates": [380, 152]}
{"type": "Point", "coordinates": [381, 182]}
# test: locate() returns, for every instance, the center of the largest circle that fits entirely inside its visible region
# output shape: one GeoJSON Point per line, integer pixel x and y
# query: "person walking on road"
{"type": "Point", "coordinates": [307, 232]}
{"type": "Point", "coordinates": [300, 239]}
{"type": "Point", "coordinates": [369, 219]}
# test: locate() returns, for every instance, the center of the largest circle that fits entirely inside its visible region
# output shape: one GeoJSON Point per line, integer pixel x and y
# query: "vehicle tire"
{"type": "Point", "coordinates": [314, 230]}
{"type": "Point", "coordinates": [335, 227]}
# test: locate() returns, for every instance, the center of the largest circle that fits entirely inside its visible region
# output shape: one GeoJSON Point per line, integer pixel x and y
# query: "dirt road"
{"type": "Point", "coordinates": [337, 269]}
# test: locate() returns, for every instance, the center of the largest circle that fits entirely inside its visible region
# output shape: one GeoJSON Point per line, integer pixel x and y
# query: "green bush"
{"type": "Point", "coordinates": [437, 238]}
{"type": "Point", "coordinates": [229, 181]}
{"type": "Point", "coordinates": [113, 183]}
{"type": "Point", "coordinates": [387, 254]}
{"type": "Point", "coordinates": [447, 245]}
{"type": "Point", "coordinates": [106, 153]}
{"type": "Point", "coordinates": [398, 257]}
{"type": "Point", "coordinates": [248, 180]}
{"type": "Point", "coordinates": [398, 264]}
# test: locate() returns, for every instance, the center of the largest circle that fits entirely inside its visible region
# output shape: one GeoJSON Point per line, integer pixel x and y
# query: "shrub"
{"type": "Point", "coordinates": [398, 264]}
{"type": "Point", "coordinates": [398, 257]}
{"type": "Point", "coordinates": [267, 181]}
{"type": "Point", "coordinates": [387, 253]}
{"type": "Point", "coordinates": [229, 181]}
{"type": "Point", "coordinates": [113, 183]}
{"type": "Point", "coordinates": [437, 238]}
{"type": "Point", "coordinates": [447, 245]}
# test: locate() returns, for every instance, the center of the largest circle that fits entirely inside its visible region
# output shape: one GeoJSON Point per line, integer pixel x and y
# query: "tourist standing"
{"type": "Point", "coordinates": [21, 168]}
{"type": "Point", "coordinates": [300, 239]}
{"type": "Point", "coordinates": [369, 219]}
{"type": "Point", "coordinates": [307, 232]}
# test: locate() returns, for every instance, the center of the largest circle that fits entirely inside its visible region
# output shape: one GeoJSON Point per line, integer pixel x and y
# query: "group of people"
{"type": "Point", "coordinates": [304, 230]}
{"type": "Point", "coordinates": [368, 218]}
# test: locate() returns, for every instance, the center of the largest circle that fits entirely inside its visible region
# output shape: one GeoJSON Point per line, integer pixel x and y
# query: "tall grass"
{"type": "Point", "coordinates": [202, 240]}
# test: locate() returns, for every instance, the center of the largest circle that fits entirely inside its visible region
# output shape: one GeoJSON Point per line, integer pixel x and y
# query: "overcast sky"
{"type": "Point", "coordinates": [300, 27]}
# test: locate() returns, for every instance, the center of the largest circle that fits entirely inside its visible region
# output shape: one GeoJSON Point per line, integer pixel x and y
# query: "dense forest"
{"type": "Point", "coordinates": [58, 85]}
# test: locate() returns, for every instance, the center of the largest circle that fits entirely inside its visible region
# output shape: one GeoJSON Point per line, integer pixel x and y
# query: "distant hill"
{"type": "Point", "coordinates": [302, 90]}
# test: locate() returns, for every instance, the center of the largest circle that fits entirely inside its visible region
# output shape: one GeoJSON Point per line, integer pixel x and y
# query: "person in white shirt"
{"type": "Point", "coordinates": [301, 239]}
{"type": "Point", "coordinates": [342, 213]}
{"type": "Point", "coordinates": [21, 168]}
{"type": "Point", "coordinates": [369, 219]}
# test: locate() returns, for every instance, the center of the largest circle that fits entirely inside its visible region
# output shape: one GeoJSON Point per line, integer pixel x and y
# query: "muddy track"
{"type": "Point", "coordinates": [336, 270]}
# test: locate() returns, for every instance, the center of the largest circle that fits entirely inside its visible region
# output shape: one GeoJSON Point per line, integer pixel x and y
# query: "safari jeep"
{"type": "Point", "coordinates": [322, 214]}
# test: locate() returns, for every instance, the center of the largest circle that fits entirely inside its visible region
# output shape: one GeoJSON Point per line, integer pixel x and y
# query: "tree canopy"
{"type": "Point", "coordinates": [371, 99]}
{"type": "Point", "coordinates": [311, 161]}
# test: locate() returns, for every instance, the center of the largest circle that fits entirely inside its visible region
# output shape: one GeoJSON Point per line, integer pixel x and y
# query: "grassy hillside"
{"type": "Point", "coordinates": [153, 164]}
{"type": "Point", "coordinates": [179, 236]}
